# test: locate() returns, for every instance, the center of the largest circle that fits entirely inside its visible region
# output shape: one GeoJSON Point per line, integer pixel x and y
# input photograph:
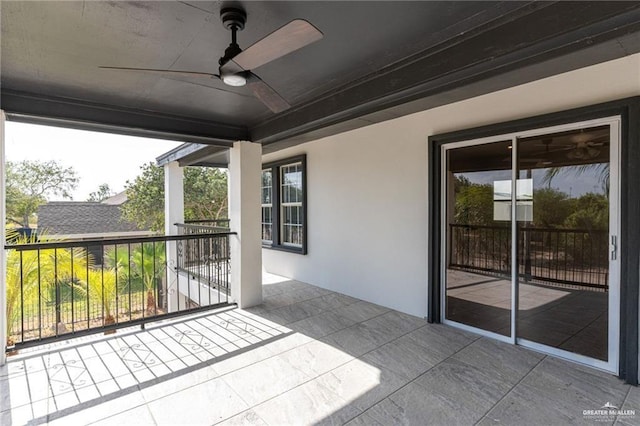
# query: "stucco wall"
{"type": "Point", "coordinates": [367, 188]}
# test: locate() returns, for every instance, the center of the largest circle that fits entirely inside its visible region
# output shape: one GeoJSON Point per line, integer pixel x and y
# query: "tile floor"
{"type": "Point", "coordinates": [306, 356]}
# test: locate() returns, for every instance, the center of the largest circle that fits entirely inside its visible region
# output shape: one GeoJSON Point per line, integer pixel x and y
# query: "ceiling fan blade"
{"type": "Point", "coordinates": [266, 94]}
{"type": "Point", "coordinates": [150, 70]}
{"type": "Point", "coordinates": [291, 37]}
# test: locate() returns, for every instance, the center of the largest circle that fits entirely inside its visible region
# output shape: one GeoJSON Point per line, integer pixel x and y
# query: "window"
{"type": "Point", "coordinates": [267, 220]}
{"type": "Point", "coordinates": [284, 205]}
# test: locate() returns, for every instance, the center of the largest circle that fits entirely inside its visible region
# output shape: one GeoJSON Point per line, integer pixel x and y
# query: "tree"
{"type": "Point", "coordinates": [101, 194]}
{"type": "Point", "coordinates": [205, 196]}
{"type": "Point", "coordinates": [140, 265]}
{"type": "Point", "coordinates": [30, 183]}
{"type": "Point", "coordinates": [551, 207]}
{"type": "Point", "coordinates": [32, 278]}
{"type": "Point", "coordinates": [590, 211]}
{"type": "Point", "coordinates": [474, 203]}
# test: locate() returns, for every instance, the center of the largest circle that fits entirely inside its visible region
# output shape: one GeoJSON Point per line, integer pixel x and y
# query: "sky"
{"type": "Point", "coordinates": [96, 157]}
{"type": "Point", "coordinates": [571, 183]}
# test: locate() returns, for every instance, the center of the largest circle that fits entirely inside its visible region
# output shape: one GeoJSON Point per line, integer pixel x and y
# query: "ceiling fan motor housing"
{"type": "Point", "coordinates": [233, 17]}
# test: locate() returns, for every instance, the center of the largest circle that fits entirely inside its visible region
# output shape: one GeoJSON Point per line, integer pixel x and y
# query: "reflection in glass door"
{"type": "Point", "coordinates": [563, 247]}
{"type": "Point", "coordinates": [478, 273]}
{"type": "Point", "coordinates": [535, 262]}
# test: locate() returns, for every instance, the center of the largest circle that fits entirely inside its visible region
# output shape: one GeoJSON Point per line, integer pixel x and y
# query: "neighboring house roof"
{"type": "Point", "coordinates": [118, 199]}
{"type": "Point", "coordinates": [80, 217]}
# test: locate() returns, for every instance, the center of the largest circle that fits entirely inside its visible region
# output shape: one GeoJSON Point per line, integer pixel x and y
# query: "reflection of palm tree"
{"type": "Point", "coordinates": [601, 170]}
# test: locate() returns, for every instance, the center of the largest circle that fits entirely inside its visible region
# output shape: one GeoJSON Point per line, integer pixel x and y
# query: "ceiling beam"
{"type": "Point", "coordinates": [547, 32]}
{"type": "Point", "coordinates": [71, 113]}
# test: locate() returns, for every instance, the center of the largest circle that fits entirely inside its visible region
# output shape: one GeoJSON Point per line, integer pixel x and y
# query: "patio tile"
{"type": "Point", "coordinates": [321, 325]}
{"type": "Point", "coordinates": [361, 311]}
{"type": "Point", "coordinates": [66, 401]}
{"type": "Point", "coordinates": [309, 292]}
{"type": "Point", "coordinates": [297, 312]}
{"type": "Point", "coordinates": [139, 416]}
{"type": "Point", "coordinates": [316, 358]}
{"type": "Point", "coordinates": [564, 389]}
{"type": "Point", "coordinates": [17, 416]}
{"type": "Point", "coordinates": [246, 418]}
{"type": "Point", "coordinates": [632, 402]}
{"type": "Point", "coordinates": [41, 409]}
{"type": "Point", "coordinates": [441, 338]}
{"type": "Point", "coordinates": [361, 383]}
{"type": "Point", "coordinates": [258, 322]}
{"type": "Point", "coordinates": [98, 410]}
{"type": "Point", "coordinates": [266, 315]}
{"type": "Point", "coordinates": [265, 379]}
{"type": "Point", "coordinates": [332, 301]}
{"type": "Point", "coordinates": [405, 357]}
{"type": "Point", "coordinates": [37, 363]}
{"type": "Point", "coordinates": [279, 300]}
{"type": "Point", "coordinates": [453, 381]}
{"type": "Point", "coordinates": [394, 324]}
{"type": "Point", "coordinates": [358, 339]}
{"type": "Point", "coordinates": [271, 290]}
{"type": "Point", "coordinates": [290, 341]}
{"type": "Point", "coordinates": [529, 405]}
{"type": "Point", "coordinates": [363, 419]}
{"type": "Point", "coordinates": [239, 359]}
{"type": "Point", "coordinates": [414, 405]}
{"type": "Point", "coordinates": [165, 386]}
{"type": "Point", "coordinates": [38, 385]}
{"type": "Point", "coordinates": [503, 361]}
{"type": "Point", "coordinates": [309, 404]}
{"type": "Point", "coordinates": [15, 392]}
{"type": "Point", "coordinates": [206, 403]}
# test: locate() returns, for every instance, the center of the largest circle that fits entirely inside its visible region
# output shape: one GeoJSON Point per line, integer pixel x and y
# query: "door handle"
{"type": "Point", "coordinates": [614, 247]}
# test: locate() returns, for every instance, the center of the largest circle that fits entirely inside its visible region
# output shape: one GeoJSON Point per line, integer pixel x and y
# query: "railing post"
{"type": "Point", "coordinates": [245, 169]}
{"type": "Point", "coordinates": [3, 253]}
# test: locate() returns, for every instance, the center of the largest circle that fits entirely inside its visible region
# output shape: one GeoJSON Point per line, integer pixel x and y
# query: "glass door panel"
{"type": "Point", "coordinates": [478, 237]}
{"type": "Point", "coordinates": [563, 241]}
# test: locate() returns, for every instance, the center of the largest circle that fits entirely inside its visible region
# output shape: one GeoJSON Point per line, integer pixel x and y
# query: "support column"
{"type": "Point", "coordinates": [173, 213]}
{"type": "Point", "coordinates": [245, 168]}
{"type": "Point", "coordinates": [3, 253]}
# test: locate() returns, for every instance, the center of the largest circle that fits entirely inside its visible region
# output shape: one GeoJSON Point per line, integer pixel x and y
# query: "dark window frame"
{"type": "Point", "coordinates": [276, 238]}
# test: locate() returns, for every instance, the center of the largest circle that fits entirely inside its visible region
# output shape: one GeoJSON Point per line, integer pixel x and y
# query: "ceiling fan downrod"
{"type": "Point", "coordinates": [233, 19]}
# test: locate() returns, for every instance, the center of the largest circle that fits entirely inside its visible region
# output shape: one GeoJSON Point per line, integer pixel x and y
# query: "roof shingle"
{"type": "Point", "coordinates": [80, 217]}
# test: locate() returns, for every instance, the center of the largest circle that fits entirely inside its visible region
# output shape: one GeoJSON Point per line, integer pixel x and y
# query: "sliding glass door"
{"type": "Point", "coordinates": [530, 239]}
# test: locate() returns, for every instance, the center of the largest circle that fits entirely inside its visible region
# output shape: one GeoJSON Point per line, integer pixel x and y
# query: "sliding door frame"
{"type": "Point", "coordinates": [628, 111]}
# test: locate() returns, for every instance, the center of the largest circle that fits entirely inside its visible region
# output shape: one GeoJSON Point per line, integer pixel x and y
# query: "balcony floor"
{"type": "Point", "coordinates": [306, 356]}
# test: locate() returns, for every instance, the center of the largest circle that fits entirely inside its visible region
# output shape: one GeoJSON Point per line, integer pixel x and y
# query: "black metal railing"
{"type": "Point", "coordinates": [56, 290]}
{"type": "Point", "coordinates": [569, 257]}
{"type": "Point", "coordinates": [218, 224]}
{"type": "Point", "coordinates": [206, 260]}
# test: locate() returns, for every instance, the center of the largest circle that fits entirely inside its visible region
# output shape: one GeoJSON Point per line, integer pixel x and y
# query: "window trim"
{"type": "Point", "coordinates": [276, 205]}
{"type": "Point", "coordinates": [264, 205]}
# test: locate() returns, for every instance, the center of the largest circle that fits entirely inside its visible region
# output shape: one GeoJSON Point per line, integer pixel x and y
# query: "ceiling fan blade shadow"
{"type": "Point", "coordinates": [157, 71]}
{"type": "Point", "coordinates": [266, 94]}
{"type": "Point", "coordinates": [289, 38]}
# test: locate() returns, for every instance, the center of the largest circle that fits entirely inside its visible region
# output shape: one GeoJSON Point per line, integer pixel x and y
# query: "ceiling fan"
{"type": "Point", "coordinates": [236, 65]}
{"type": "Point", "coordinates": [582, 146]}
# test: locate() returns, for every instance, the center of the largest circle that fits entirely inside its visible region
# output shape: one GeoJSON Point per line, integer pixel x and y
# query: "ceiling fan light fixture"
{"type": "Point", "coordinates": [235, 80]}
